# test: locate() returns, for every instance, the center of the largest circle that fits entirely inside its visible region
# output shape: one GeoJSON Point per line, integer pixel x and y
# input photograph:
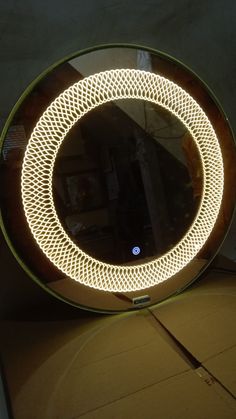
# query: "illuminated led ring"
{"type": "Point", "coordinates": [41, 153]}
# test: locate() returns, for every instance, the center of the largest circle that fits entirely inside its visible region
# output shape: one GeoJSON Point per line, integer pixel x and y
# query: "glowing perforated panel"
{"type": "Point", "coordinates": [41, 153]}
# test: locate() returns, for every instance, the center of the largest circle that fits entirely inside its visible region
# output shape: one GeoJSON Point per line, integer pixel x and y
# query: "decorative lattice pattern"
{"type": "Point", "coordinates": [40, 157]}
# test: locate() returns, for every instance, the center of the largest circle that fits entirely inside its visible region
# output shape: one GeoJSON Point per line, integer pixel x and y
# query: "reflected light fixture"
{"type": "Point", "coordinates": [41, 153]}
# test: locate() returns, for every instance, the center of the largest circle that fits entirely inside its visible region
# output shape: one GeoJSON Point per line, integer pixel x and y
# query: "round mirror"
{"type": "Point", "coordinates": [127, 181]}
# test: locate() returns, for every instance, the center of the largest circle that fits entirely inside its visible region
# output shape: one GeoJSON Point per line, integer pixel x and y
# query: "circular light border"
{"type": "Point", "coordinates": [37, 172]}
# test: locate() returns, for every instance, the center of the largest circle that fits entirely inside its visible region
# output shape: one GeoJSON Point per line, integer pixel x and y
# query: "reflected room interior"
{"type": "Point", "coordinates": [118, 187]}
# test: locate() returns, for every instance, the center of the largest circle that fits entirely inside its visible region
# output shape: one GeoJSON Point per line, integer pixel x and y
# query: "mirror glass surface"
{"type": "Point", "coordinates": [127, 182]}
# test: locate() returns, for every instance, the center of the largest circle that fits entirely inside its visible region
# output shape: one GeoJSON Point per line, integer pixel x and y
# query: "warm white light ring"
{"type": "Point", "coordinates": [40, 157]}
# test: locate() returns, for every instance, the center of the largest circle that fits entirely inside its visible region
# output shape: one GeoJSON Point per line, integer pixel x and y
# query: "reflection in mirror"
{"type": "Point", "coordinates": [127, 182]}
